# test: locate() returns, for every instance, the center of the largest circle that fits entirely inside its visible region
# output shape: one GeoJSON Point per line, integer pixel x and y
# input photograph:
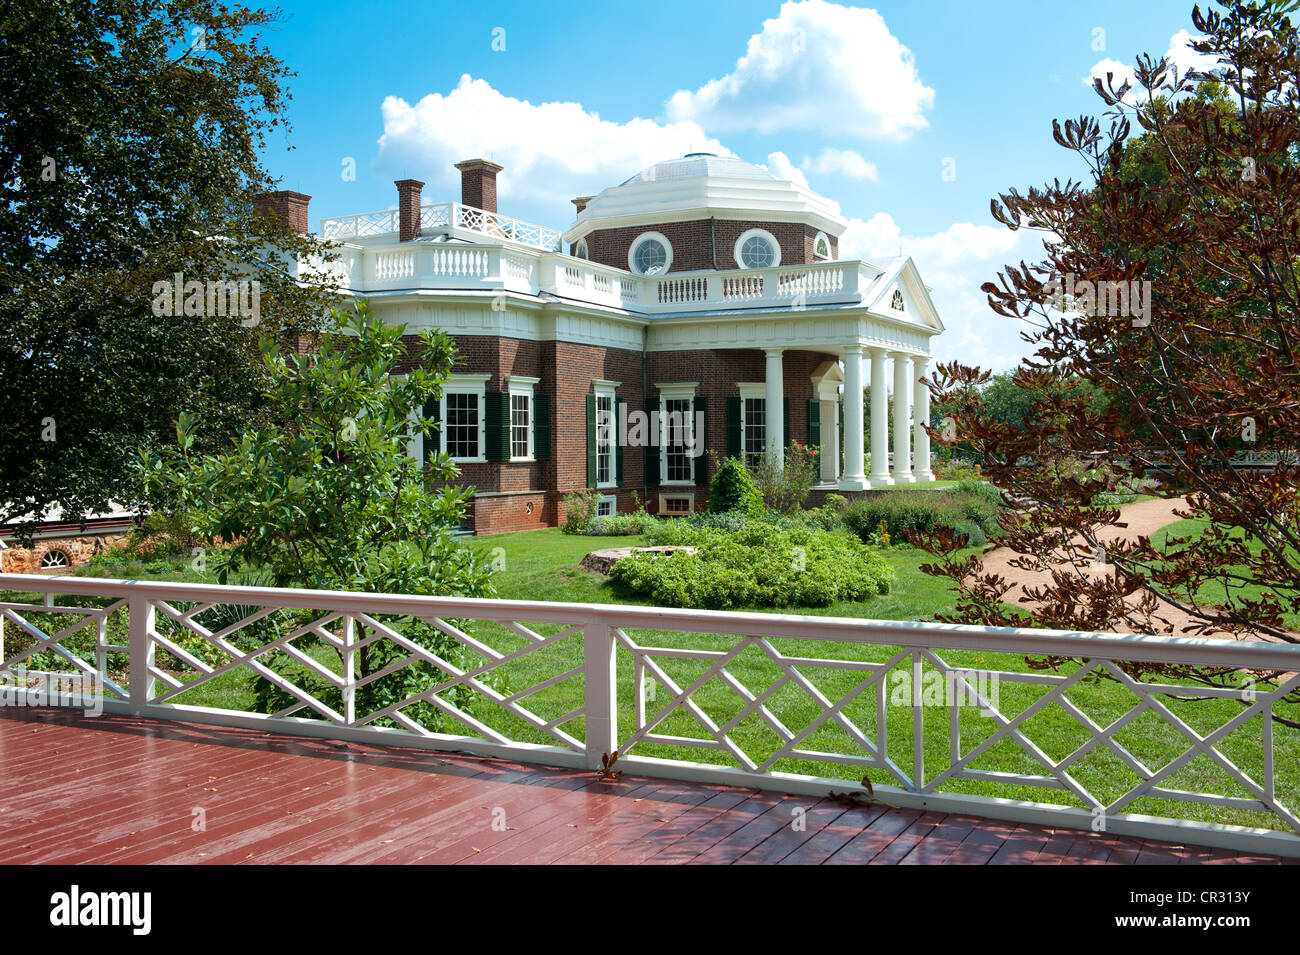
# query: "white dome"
{"type": "Point", "coordinates": [701, 186]}
{"type": "Point", "coordinates": [699, 165]}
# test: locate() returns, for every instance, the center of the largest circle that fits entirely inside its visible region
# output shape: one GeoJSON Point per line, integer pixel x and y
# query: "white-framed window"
{"type": "Point", "coordinates": [520, 389]}
{"type": "Point", "coordinates": [650, 254]}
{"type": "Point", "coordinates": [606, 448]}
{"type": "Point", "coordinates": [462, 433]}
{"type": "Point", "coordinates": [607, 506]}
{"type": "Point", "coordinates": [676, 503]}
{"type": "Point", "coordinates": [896, 303]}
{"type": "Point", "coordinates": [677, 432]}
{"type": "Point", "coordinates": [821, 246]}
{"type": "Point", "coordinates": [757, 249]}
{"type": "Point", "coordinates": [580, 250]}
{"type": "Point", "coordinates": [753, 422]}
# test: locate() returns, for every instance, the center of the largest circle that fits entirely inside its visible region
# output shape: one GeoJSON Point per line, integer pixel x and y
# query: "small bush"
{"type": "Point", "coordinates": [758, 565]}
{"type": "Point", "coordinates": [786, 490]}
{"type": "Point", "coordinates": [920, 512]}
{"type": "Point", "coordinates": [621, 525]}
{"type": "Point", "coordinates": [579, 509]}
{"type": "Point", "coordinates": [732, 489]}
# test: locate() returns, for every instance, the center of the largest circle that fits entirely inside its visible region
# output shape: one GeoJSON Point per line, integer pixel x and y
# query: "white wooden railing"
{"type": "Point", "coordinates": [456, 267]}
{"type": "Point", "coordinates": [794, 703]}
{"type": "Point", "coordinates": [444, 215]}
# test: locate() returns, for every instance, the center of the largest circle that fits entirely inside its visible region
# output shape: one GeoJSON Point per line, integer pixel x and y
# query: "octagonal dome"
{"type": "Point", "coordinates": [702, 186]}
{"type": "Point", "coordinates": [699, 165]}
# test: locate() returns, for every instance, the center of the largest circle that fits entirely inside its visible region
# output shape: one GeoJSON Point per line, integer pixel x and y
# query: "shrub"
{"type": "Point", "coordinates": [920, 512]}
{"type": "Point", "coordinates": [638, 522]}
{"type": "Point", "coordinates": [981, 489]}
{"type": "Point", "coordinates": [579, 509]}
{"type": "Point", "coordinates": [786, 490]}
{"type": "Point", "coordinates": [732, 489]}
{"type": "Point", "coordinates": [759, 565]}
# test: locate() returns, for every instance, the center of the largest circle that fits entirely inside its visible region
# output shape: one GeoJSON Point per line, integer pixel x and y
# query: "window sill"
{"type": "Point", "coordinates": [528, 460]}
{"type": "Point", "coordinates": [469, 460]}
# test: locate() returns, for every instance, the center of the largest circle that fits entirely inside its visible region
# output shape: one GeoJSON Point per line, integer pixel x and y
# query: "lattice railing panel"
{"type": "Point", "coordinates": [759, 704]}
{"type": "Point", "coordinates": [1117, 756]}
{"type": "Point", "coordinates": [77, 641]}
{"type": "Point", "coordinates": [504, 682]}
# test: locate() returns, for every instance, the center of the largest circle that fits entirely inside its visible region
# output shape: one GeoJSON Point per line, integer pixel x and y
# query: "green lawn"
{"type": "Point", "coordinates": [543, 566]}
{"type": "Point", "coordinates": [1214, 593]}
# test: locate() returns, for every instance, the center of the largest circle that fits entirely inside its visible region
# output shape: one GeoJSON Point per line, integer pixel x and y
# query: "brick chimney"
{"type": "Point", "coordinates": [408, 209]}
{"type": "Point", "coordinates": [478, 183]}
{"type": "Point", "coordinates": [288, 207]}
{"type": "Point", "coordinates": [581, 202]}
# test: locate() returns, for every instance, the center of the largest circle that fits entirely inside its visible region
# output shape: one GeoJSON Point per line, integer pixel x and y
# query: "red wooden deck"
{"type": "Point", "coordinates": [122, 790]}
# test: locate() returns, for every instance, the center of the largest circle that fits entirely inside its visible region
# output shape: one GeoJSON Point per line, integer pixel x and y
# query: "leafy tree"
{"type": "Point", "coordinates": [130, 139]}
{"type": "Point", "coordinates": [328, 497]}
{"type": "Point", "coordinates": [1206, 208]}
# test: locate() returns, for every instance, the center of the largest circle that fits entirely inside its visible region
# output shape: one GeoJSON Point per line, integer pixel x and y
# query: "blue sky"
{"type": "Point", "coordinates": [871, 105]}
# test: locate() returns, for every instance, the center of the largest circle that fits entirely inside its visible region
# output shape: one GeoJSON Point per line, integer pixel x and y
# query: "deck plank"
{"type": "Point", "coordinates": [115, 789]}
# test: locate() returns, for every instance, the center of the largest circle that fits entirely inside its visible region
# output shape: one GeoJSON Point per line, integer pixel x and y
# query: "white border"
{"type": "Point", "coordinates": [752, 233]}
{"type": "Point", "coordinates": [631, 252]}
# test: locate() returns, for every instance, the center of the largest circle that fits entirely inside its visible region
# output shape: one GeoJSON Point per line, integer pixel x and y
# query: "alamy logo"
{"type": "Point", "coordinates": [79, 691]}
{"type": "Point", "coordinates": [212, 299]}
{"type": "Point", "coordinates": [667, 429]}
{"type": "Point", "coordinates": [74, 907]}
{"type": "Point", "coordinates": [1110, 299]}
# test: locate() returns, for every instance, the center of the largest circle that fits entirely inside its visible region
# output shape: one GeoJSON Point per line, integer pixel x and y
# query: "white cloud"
{"type": "Point", "coordinates": [552, 152]}
{"type": "Point", "coordinates": [954, 263]}
{"type": "Point", "coordinates": [1180, 55]}
{"type": "Point", "coordinates": [817, 65]}
{"type": "Point", "coordinates": [779, 164]}
{"type": "Point", "coordinates": [846, 162]}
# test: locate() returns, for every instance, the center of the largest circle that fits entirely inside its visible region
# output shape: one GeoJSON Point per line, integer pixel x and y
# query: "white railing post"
{"type": "Point", "coordinates": [349, 670]}
{"type": "Point", "coordinates": [918, 725]}
{"type": "Point", "coordinates": [141, 646]}
{"type": "Point", "coordinates": [600, 680]}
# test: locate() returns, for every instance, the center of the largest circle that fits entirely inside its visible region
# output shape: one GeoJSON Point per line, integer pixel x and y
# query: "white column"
{"type": "Point", "coordinates": [854, 479]}
{"type": "Point", "coordinates": [879, 421]}
{"type": "Point", "coordinates": [774, 410]}
{"type": "Point", "coordinates": [902, 469]}
{"type": "Point", "coordinates": [829, 409]}
{"type": "Point", "coordinates": [921, 412]}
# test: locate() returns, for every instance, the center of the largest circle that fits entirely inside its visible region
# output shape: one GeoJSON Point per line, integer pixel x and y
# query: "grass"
{"type": "Point", "coordinates": [1213, 593]}
{"type": "Point", "coordinates": [543, 566]}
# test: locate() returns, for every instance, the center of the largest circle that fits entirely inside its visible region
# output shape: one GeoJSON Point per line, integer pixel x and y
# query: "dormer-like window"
{"type": "Point", "coordinates": [757, 249]}
{"type": "Point", "coordinates": [651, 254]}
{"type": "Point", "coordinates": [896, 303]}
{"type": "Point", "coordinates": [822, 246]}
{"type": "Point", "coordinates": [580, 250]}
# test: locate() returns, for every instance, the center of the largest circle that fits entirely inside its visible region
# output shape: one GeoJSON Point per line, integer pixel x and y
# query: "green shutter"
{"type": "Point", "coordinates": [619, 414]}
{"type": "Point", "coordinates": [541, 427]}
{"type": "Point", "coordinates": [785, 420]}
{"type": "Point", "coordinates": [591, 440]}
{"type": "Point", "coordinates": [652, 447]}
{"type": "Point", "coordinates": [496, 425]}
{"type": "Point", "coordinates": [734, 443]}
{"type": "Point", "coordinates": [814, 422]}
{"type": "Point", "coordinates": [702, 461]}
{"type": "Point", "coordinates": [433, 410]}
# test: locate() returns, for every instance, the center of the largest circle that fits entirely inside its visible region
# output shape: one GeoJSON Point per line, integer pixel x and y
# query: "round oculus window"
{"type": "Point", "coordinates": [650, 257]}
{"type": "Point", "coordinates": [756, 249]}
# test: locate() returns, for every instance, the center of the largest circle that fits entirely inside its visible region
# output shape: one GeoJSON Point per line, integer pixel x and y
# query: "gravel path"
{"type": "Point", "coordinates": [1142, 518]}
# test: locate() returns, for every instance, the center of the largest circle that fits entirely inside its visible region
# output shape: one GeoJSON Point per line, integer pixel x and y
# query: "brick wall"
{"type": "Point", "coordinates": [528, 496]}
{"type": "Point", "coordinates": [693, 242]}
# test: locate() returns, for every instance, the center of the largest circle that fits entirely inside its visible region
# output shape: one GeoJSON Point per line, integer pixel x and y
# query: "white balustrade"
{"type": "Point", "coordinates": [771, 696]}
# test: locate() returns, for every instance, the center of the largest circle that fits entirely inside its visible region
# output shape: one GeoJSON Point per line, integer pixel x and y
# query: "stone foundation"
{"type": "Point", "coordinates": [77, 550]}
